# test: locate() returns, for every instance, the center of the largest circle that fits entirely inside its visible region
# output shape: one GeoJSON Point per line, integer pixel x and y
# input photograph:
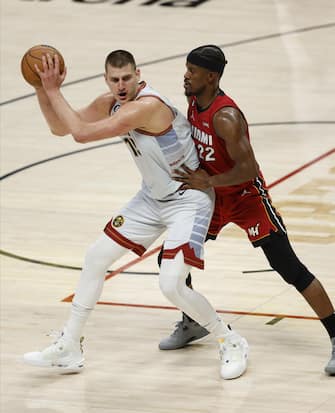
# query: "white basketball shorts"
{"type": "Point", "coordinates": [185, 215]}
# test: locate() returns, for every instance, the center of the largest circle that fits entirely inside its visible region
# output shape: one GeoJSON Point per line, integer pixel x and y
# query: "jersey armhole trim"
{"type": "Point", "coordinates": [143, 132]}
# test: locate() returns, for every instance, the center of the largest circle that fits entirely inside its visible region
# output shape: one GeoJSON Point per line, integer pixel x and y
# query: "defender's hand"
{"type": "Point", "coordinates": [198, 179]}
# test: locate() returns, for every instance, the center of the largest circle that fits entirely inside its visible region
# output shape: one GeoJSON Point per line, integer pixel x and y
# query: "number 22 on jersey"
{"type": "Point", "coordinates": [205, 153]}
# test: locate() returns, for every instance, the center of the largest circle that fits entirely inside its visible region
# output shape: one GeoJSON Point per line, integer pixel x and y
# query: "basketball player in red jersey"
{"type": "Point", "coordinates": [220, 132]}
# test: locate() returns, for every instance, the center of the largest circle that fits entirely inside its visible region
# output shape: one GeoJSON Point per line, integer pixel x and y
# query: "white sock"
{"type": "Point", "coordinates": [76, 321]}
{"type": "Point", "coordinates": [218, 328]}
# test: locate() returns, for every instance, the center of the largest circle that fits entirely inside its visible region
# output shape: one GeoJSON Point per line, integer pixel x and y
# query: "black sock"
{"type": "Point", "coordinates": [329, 324]}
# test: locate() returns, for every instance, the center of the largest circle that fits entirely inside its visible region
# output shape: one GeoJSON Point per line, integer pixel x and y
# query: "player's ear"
{"type": "Point", "coordinates": [212, 77]}
{"type": "Point", "coordinates": [138, 73]}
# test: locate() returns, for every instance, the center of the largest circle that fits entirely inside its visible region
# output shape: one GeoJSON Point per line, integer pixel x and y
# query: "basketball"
{"type": "Point", "coordinates": [34, 56]}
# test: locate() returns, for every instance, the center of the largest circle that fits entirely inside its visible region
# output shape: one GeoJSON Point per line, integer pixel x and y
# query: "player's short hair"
{"type": "Point", "coordinates": [209, 56]}
{"type": "Point", "coordinates": [120, 58]}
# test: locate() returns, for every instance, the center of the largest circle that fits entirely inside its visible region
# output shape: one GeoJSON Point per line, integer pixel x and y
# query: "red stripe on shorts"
{"type": "Point", "coordinates": [189, 256]}
{"type": "Point", "coordinates": [125, 242]}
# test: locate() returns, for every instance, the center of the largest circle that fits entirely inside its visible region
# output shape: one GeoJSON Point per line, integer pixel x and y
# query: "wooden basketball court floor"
{"type": "Point", "coordinates": [57, 195]}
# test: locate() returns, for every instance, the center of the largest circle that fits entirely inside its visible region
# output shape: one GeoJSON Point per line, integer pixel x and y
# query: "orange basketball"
{"type": "Point", "coordinates": [34, 56]}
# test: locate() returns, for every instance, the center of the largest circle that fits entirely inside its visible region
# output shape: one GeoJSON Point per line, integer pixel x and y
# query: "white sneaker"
{"type": "Point", "coordinates": [234, 355]}
{"type": "Point", "coordinates": [64, 355]}
{"type": "Point", "coordinates": [330, 368]}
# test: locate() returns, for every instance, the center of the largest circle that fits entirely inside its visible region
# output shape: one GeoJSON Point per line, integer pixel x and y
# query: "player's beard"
{"type": "Point", "coordinates": [188, 91]}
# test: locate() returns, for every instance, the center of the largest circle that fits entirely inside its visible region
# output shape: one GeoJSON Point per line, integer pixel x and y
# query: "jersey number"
{"type": "Point", "coordinates": [132, 145]}
{"type": "Point", "coordinates": [207, 154]}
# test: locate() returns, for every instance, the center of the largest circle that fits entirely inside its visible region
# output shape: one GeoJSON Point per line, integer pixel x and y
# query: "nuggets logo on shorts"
{"type": "Point", "coordinates": [118, 221]}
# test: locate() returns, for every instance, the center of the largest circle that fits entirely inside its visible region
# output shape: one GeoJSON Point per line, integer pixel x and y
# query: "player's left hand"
{"type": "Point", "coordinates": [50, 75]}
{"type": "Point", "coordinates": [198, 179]}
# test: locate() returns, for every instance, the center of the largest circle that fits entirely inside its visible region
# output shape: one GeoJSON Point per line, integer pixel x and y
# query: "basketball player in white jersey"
{"type": "Point", "coordinates": [159, 139]}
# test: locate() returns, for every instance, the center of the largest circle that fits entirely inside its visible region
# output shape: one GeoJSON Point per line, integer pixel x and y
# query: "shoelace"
{"type": "Point", "coordinates": [178, 325]}
{"type": "Point", "coordinates": [233, 350]}
{"type": "Point", "coordinates": [55, 334]}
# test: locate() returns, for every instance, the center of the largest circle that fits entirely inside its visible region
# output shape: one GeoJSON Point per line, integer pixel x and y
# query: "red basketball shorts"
{"type": "Point", "coordinates": [251, 210]}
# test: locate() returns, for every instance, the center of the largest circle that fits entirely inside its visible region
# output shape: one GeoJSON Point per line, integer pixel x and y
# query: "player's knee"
{"type": "Point", "coordinates": [283, 259]}
{"type": "Point", "coordinates": [92, 255]}
{"type": "Point", "coordinates": [304, 281]}
{"type": "Point", "coordinates": [172, 277]}
{"type": "Point", "coordinates": [159, 260]}
{"type": "Point", "coordinates": [168, 285]}
{"type": "Point", "coordinates": [293, 272]}
{"type": "Point", "coordinates": [102, 253]}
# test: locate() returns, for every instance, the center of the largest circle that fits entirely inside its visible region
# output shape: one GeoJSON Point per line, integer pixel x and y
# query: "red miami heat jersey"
{"type": "Point", "coordinates": [247, 205]}
{"type": "Point", "coordinates": [212, 151]}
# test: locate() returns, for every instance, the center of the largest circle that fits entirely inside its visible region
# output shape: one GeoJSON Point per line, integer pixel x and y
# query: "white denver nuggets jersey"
{"type": "Point", "coordinates": [157, 155]}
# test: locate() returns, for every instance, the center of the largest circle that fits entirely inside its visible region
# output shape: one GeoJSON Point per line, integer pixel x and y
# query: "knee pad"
{"type": "Point", "coordinates": [283, 259]}
{"type": "Point", "coordinates": [294, 273]}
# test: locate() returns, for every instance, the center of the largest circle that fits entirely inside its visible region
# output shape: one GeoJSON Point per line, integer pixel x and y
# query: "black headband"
{"type": "Point", "coordinates": [209, 57]}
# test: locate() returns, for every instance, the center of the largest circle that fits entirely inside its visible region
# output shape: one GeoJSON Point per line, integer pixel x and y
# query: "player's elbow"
{"type": "Point", "coordinates": [58, 129]}
{"type": "Point", "coordinates": [81, 136]}
{"type": "Point", "coordinates": [82, 133]}
{"type": "Point", "coordinates": [58, 132]}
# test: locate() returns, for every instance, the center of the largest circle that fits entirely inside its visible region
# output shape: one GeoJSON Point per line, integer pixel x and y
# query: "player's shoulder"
{"type": "Point", "coordinates": [227, 122]}
{"type": "Point", "coordinates": [227, 114]}
{"type": "Point", "coordinates": [148, 99]}
{"type": "Point", "coordinates": [106, 99]}
{"type": "Point", "coordinates": [149, 103]}
{"type": "Point", "coordinates": [102, 104]}
{"type": "Point", "coordinates": [148, 95]}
